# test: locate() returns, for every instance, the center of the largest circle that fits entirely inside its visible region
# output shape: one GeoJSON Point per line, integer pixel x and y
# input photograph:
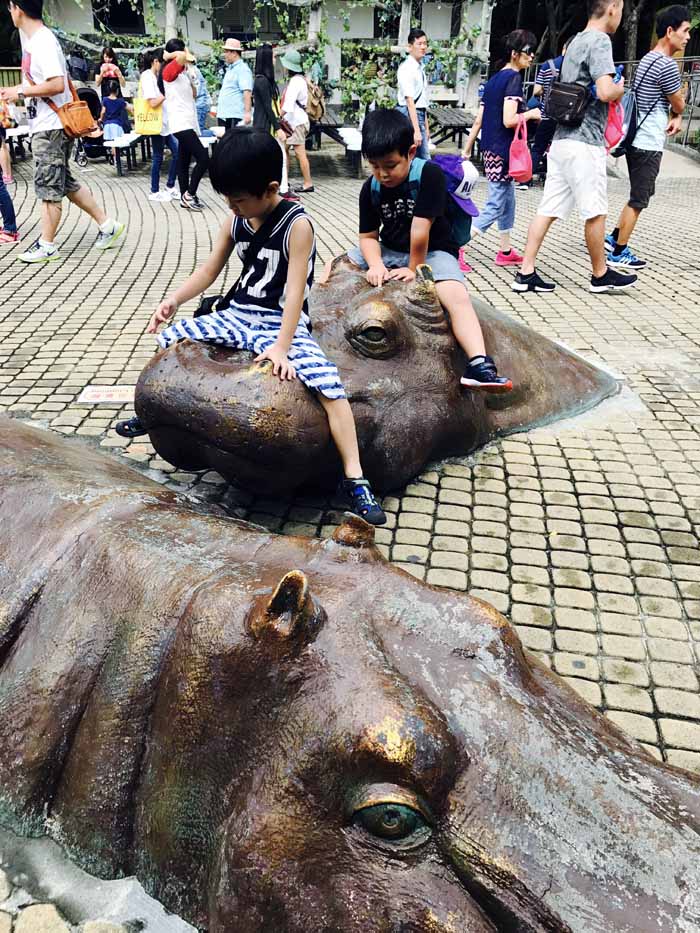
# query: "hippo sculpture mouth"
{"type": "Point", "coordinates": [210, 407]}
{"type": "Point", "coordinates": [291, 735]}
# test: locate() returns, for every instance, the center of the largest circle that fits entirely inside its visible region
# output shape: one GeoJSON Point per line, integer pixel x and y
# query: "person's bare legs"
{"type": "Point", "coordinates": [300, 152]}
{"type": "Point", "coordinates": [505, 240]}
{"type": "Point", "coordinates": [342, 425]}
{"type": "Point", "coordinates": [50, 219]}
{"type": "Point", "coordinates": [83, 199]}
{"type": "Point", "coordinates": [595, 238]}
{"type": "Point", "coordinates": [535, 237]}
{"type": "Point", "coordinates": [627, 223]}
{"type": "Point", "coordinates": [455, 299]}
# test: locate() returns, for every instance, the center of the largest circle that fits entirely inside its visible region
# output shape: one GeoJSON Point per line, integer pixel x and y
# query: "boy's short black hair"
{"type": "Point", "coordinates": [34, 9]}
{"type": "Point", "coordinates": [672, 17]}
{"type": "Point", "coordinates": [386, 131]}
{"type": "Point", "coordinates": [245, 161]}
{"type": "Point", "coordinates": [414, 34]}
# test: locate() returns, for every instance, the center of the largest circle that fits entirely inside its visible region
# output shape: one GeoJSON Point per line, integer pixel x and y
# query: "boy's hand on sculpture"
{"type": "Point", "coordinates": [404, 274]}
{"type": "Point", "coordinates": [377, 275]}
{"type": "Point", "coordinates": [280, 362]}
{"type": "Point", "coordinates": [163, 313]}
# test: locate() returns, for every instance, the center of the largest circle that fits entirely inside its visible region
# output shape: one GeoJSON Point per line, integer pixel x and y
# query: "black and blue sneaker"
{"type": "Point", "coordinates": [609, 243]}
{"type": "Point", "coordinates": [362, 500]}
{"type": "Point", "coordinates": [132, 427]}
{"type": "Point", "coordinates": [481, 373]}
{"type": "Point", "coordinates": [625, 260]}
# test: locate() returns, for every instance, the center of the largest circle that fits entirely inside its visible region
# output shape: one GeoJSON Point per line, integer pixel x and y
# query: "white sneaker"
{"type": "Point", "coordinates": [108, 240]}
{"type": "Point", "coordinates": [173, 193]}
{"type": "Point", "coordinates": [37, 252]}
{"type": "Point", "coordinates": [159, 196]}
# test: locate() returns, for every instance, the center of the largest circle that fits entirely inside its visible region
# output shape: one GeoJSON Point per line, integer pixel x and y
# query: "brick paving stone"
{"type": "Point", "coordinates": [639, 727]}
{"type": "Point", "coordinates": [680, 734]}
{"type": "Point", "coordinates": [454, 579]}
{"type": "Point", "coordinates": [627, 697]}
{"type": "Point", "coordinates": [669, 674]}
{"type": "Point", "coordinates": [677, 703]}
{"type": "Point", "coordinates": [681, 759]}
{"type": "Point", "coordinates": [611, 500]}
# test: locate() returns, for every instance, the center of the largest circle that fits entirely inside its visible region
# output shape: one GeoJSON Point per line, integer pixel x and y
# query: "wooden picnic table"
{"type": "Point", "coordinates": [340, 131]}
{"type": "Point", "coordinates": [449, 123]}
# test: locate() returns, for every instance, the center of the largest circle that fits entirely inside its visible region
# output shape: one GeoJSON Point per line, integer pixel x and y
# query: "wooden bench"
{"type": "Point", "coordinates": [15, 139]}
{"type": "Point", "coordinates": [350, 137]}
{"type": "Point", "coordinates": [449, 123]}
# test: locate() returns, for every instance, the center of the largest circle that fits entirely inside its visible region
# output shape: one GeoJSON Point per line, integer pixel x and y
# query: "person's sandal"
{"type": "Point", "coordinates": [132, 427]}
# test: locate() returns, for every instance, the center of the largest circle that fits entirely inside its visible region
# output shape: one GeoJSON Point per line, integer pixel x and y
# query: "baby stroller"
{"type": "Point", "coordinates": [90, 147]}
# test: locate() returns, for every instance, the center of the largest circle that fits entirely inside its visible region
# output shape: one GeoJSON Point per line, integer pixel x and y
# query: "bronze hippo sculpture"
{"type": "Point", "coordinates": [211, 407]}
{"type": "Point", "coordinates": [282, 735]}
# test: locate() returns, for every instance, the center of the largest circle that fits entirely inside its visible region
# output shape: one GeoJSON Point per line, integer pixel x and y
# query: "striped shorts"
{"type": "Point", "coordinates": [257, 331]}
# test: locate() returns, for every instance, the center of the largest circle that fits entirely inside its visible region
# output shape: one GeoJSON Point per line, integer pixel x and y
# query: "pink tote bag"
{"type": "Point", "coordinates": [520, 161]}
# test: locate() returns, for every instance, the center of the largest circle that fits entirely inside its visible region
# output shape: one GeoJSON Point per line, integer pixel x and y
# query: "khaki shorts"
{"type": "Point", "coordinates": [299, 135]}
{"type": "Point", "coordinates": [576, 177]}
{"type": "Point", "coordinates": [52, 176]}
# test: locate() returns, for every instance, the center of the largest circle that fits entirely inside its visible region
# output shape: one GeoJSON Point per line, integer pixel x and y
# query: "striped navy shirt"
{"type": "Point", "coordinates": [264, 286]}
{"type": "Point", "coordinates": [657, 77]}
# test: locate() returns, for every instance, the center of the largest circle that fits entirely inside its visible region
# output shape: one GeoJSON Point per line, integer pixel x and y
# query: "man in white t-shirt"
{"type": "Point", "coordinates": [45, 77]}
{"type": "Point", "coordinates": [412, 93]}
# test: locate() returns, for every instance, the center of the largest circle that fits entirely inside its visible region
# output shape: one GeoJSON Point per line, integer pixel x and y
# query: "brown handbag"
{"type": "Point", "coordinates": [75, 116]}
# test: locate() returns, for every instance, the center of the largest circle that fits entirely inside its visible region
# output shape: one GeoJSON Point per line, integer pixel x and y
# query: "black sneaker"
{"type": "Point", "coordinates": [531, 283]}
{"type": "Point", "coordinates": [612, 282]}
{"type": "Point", "coordinates": [362, 501]}
{"type": "Point", "coordinates": [191, 202]}
{"type": "Point", "coordinates": [133, 427]}
{"type": "Point", "coordinates": [481, 373]}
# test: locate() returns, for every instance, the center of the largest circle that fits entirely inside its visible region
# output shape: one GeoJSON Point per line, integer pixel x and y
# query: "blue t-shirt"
{"type": "Point", "coordinates": [114, 110]}
{"type": "Point", "coordinates": [238, 78]}
{"type": "Point", "coordinates": [506, 84]}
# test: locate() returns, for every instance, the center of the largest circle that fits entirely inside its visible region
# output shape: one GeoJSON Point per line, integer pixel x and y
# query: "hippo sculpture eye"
{"type": "Point", "coordinates": [394, 822]}
{"type": "Point", "coordinates": [376, 338]}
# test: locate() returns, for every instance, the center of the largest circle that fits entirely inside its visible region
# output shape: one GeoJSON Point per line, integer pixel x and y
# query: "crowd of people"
{"type": "Point", "coordinates": [411, 209]}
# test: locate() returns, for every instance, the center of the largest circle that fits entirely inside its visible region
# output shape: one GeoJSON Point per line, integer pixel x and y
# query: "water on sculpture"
{"type": "Point", "coordinates": [290, 735]}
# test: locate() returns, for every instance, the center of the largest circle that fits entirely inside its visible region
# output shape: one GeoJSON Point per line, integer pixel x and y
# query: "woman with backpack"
{"type": "Point", "coordinates": [502, 107]}
{"type": "Point", "coordinates": [293, 106]}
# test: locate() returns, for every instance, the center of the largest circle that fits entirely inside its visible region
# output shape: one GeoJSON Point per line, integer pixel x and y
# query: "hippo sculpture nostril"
{"type": "Point", "coordinates": [283, 735]}
{"type": "Point", "coordinates": [212, 408]}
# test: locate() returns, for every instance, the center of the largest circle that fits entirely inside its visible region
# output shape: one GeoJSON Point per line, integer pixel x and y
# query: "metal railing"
{"type": "Point", "coordinates": [10, 77]}
{"type": "Point", "coordinates": [690, 77]}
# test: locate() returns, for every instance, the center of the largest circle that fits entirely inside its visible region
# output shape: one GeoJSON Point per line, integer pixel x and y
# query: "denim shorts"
{"type": "Point", "coordinates": [444, 265]}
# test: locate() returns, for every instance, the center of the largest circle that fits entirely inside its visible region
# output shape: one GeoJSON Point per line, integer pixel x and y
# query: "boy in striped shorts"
{"type": "Point", "coordinates": [268, 310]}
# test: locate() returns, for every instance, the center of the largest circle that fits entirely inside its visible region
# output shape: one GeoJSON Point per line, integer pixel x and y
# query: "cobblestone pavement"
{"type": "Point", "coordinates": [584, 533]}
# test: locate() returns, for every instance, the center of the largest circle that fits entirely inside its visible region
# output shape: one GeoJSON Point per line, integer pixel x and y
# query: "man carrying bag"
{"type": "Point", "coordinates": [46, 89]}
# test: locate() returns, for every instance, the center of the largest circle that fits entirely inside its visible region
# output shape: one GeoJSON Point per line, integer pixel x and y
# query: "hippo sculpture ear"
{"type": "Point", "coordinates": [354, 531]}
{"type": "Point", "coordinates": [290, 613]}
{"type": "Point", "coordinates": [424, 308]}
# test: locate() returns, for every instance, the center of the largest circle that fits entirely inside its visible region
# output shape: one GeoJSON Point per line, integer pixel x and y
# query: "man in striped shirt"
{"type": "Point", "coordinates": [657, 87]}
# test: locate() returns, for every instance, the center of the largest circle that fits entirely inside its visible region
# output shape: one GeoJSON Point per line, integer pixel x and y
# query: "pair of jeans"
{"type": "Point", "coordinates": [159, 143]}
{"type": "Point", "coordinates": [423, 152]}
{"type": "Point", "coordinates": [7, 209]}
{"type": "Point", "coordinates": [202, 114]}
{"type": "Point", "coordinates": [499, 207]}
{"type": "Point", "coordinates": [190, 148]}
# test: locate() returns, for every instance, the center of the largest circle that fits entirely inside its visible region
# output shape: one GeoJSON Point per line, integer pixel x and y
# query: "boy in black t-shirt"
{"type": "Point", "coordinates": [398, 233]}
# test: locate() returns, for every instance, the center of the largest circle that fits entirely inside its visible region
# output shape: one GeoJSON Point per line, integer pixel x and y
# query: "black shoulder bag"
{"type": "Point", "coordinates": [210, 303]}
{"type": "Point", "coordinates": [567, 102]}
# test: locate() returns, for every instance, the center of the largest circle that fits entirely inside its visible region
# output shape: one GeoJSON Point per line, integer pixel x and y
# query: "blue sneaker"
{"type": "Point", "coordinates": [481, 373]}
{"type": "Point", "coordinates": [363, 501]}
{"type": "Point", "coordinates": [625, 260]}
{"type": "Point", "coordinates": [610, 243]}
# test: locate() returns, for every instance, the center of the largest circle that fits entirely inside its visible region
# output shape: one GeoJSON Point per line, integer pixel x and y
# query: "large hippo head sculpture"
{"type": "Point", "coordinates": [280, 735]}
{"type": "Point", "coordinates": [209, 407]}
